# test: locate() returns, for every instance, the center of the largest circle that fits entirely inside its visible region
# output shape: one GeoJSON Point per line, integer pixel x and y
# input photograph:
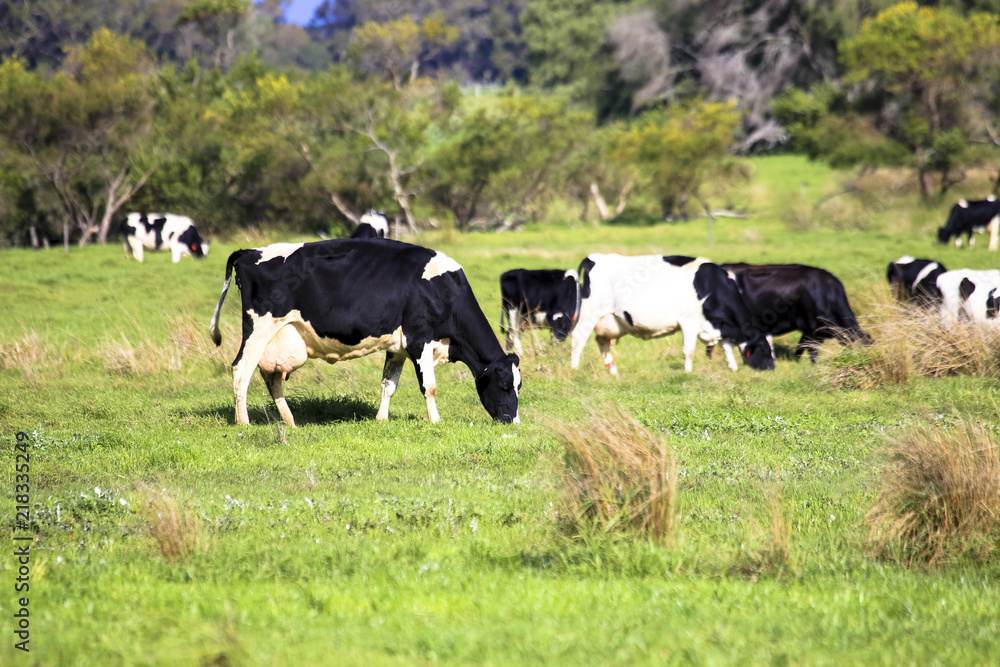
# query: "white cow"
{"type": "Point", "coordinates": [653, 296]}
{"type": "Point", "coordinates": [153, 231]}
{"type": "Point", "coordinates": [969, 294]}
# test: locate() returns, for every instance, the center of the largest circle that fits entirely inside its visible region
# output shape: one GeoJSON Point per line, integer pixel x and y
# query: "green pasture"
{"type": "Point", "coordinates": [351, 542]}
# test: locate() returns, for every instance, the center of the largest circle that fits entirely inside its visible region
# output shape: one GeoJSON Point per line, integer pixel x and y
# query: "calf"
{"type": "Point", "coordinates": [343, 299]}
{"type": "Point", "coordinates": [792, 297]}
{"type": "Point", "coordinates": [969, 295]}
{"type": "Point", "coordinates": [152, 231]}
{"type": "Point", "coordinates": [372, 225]}
{"type": "Point", "coordinates": [542, 298]}
{"type": "Point", "coordinates": [915, 280]}
{"type": "Point", "coordinates": [967, 217]}
{"type": "Point", "coordinates": [653, 296]}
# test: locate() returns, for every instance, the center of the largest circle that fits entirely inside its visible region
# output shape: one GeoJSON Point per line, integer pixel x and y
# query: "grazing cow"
{"type": "Point", "coordinates": [969, 295]}
{"type": "Point", "coordinates": [372, 225]}
{"type": "Point", "coordinates": [652, 296]}
{"type": "Point", "coordinates": [792, 297]}
{"type": "Point", "coordinates": [343, 299]}
{"type": "Point", "coordinates": [967, 217]}
{"type": "Point", "coordinates": [153, 231]}
{"type": "Point", "coordinates": [546, 297]}
{"type": "Point", "coordinates": [915, 280]}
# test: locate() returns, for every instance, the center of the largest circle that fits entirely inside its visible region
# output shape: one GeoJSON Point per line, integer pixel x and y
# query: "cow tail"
{"type": "Point", "coordinates": [214, 326]}
{"type": "Point", "coordinates": [583, 282]}
{"type": "Point", "coordinates": [503, 316]}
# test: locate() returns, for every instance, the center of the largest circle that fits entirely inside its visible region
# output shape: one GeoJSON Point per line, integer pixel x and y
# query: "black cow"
{"type": "Point", "coordinates": [372, 225]}
{"type": "Point", "coordinates": [537, 298]}
{"type": "Point", "coordinates": [967, 217]}
{"type": "Point", "coordinates": [652, 296]}
{"type": "Point", "coordinates": [915, 280]}
{"type": "Point", "coordinates": [793, 297]}
{"type": "Point", "coordinates": [153, 231]}
{"type": "Point", "coordinates": [343, 299]}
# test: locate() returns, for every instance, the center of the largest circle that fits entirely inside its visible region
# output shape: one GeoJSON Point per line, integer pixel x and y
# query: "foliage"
{"type": "Point", "coordinates": [679, 149]}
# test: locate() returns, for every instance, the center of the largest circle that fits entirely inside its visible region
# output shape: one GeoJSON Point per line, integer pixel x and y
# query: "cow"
{"type": "Point", "coordinates": [969, 295]}
{"type": "Point", "coordinates": [342, 299]}
{"type": "Point", "coordinates": [793, 297]}
{"type": "Point", "coordinates": [372, 225]}
{"type": "Point", "coordinates": [915, 280]}
{"type": "Point", "coordinates": [967, 217]}
{"type": "Point", "coordinates": [537, 298]}
{"type": "Point", "coordinates": [153, 231]}
{"type": "Point", "coordinates": [653, 296]}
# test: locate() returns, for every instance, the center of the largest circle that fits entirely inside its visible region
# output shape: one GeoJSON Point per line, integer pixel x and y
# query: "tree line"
{"type": "Point", "coordinates": [468, 114]}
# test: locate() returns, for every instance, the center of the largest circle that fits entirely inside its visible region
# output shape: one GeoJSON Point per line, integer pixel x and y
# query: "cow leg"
{"type": "Point", "coordinates": [274, 385]}
{"type": "Point", "coordinates": [995, 233]}
{"type": "Point", "coordinates": [249, 356]}
{"type": "Point", "coordinates": [514, 331]}
{"type": "Point", "coordinates": [390, 380]}
{"type": "Point", "coordinates": [709, 348]}
{"type": "Point", "coordinates": [971, 240]}
{"type": "Point", "coordinates": [424, 362]}
{"type": "Point", "coordinates": [578, 340]}
{"type": "Point", "coordinates": [689, 341]}
{"type": "Point", "coordinates": [727, 349]}
{"type": "Point", "coordinates": [958, 241]}
{"type": "Point", "coordinates": [808, 343]}
{"type": "Point", "coordinates": [176, 251]}
{"type": "Point", "coordinates": [604, 345]}
{"type": "Point", "coordinates": [136, 246]}
{"type": "Point", "coordinates": [770, 342]}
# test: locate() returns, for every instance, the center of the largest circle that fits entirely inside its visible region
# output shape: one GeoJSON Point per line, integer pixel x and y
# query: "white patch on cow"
{"type": "Point", "coordinates": [991, 198]}
{"type": "Point", "coordinates": [517, 378]}
{"type": "Point", "coordinates": [557, 316]}
{"type": "Point", "coordinates": [954, 308]}
{"type": "Point", "coordinates": [923, 274]}
{"type": "Point", "coordinates": [963, 203]}
{"type": "Point", "coordinates": [275, 250]}
{"type": "Point", "coordinates": [440, 263]}
{"type": "Point", "coordinates": [572, 274]}
{"type": "Point", "coordinates": [905, 259]}
{"type": "Point", "coordinates": [538, 318]}
{"type": "Point", "coordinates": [376, 220]}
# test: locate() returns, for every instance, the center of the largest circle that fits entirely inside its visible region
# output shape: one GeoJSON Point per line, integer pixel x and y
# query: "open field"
{"type": "Point", "coordinates": [347, 541]}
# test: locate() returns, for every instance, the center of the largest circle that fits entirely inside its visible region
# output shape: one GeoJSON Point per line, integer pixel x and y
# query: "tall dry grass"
{"type": "Point", "coordinates": [27, 354]}
{"type": "Point", "coordinates": [176, 531]}
{"type": "Point", "coordinates": [617, 477]}
{"type": "Point", "coordinates": [187, 344]}
{"type": "Point", "coordinates": [914, 342]}
{"type": "Point", "coordinates": [770, 551]}
{"type": "Point", "coordinates": [940, 495]}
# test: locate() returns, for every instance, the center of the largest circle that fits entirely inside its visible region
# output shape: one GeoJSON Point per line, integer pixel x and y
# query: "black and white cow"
{"type": "Point", "coordinates": [652, 296]}
{"type": "Point", "coordinates": [372, 225]}
{"type": "Point", "coordinates": [915, 280]}
{"type": "Point", "coordinates": [969, 295]}
{"type": "Point", "coordinates": [153, 231]}
{"type": "Point", "coordinates": [967, 217]}
{"type": "Point", "coordinates": [537, 298]}
{"type": "Point", "coordinates": [793, 297]}
{"type": "Point", "coordinates": [344, 299]}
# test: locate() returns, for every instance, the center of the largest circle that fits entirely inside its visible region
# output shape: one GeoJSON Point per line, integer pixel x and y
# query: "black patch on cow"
{"type": "Point", "coordinates": [584, 272]}
{"type": "Point", "coordinates": [992, 304]}
{"type": "Point", "coordinates": [628, 318]}
{"type": "Point", "coordinates": [126, 229]}
{"type": "Point", "coordinates": [366, 231]}
{"type": "Point", "coordinates": [965, 289]}
{"type": "Point", "coordinates": [678, 260]}
{"type": "Point", "coordinates": [193, 241]}
{"type": "Point", "coordinates": [154, 226]}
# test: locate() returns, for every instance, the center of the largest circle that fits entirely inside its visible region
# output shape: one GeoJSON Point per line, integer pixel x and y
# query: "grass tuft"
{"type": "Point", "coordinates": [26, 355]}
{"type": "Point", "coordinates": [940, 495]}
{"type": "Point", "coordinates": [617, 478]}
{"type": "Point", "coordinates": [774, 555]}
{"type": "Point", "coordinates": [176, 531]}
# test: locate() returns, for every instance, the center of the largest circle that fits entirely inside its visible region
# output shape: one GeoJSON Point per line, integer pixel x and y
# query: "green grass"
{"type": "Point", "coordinates": [347, 541]}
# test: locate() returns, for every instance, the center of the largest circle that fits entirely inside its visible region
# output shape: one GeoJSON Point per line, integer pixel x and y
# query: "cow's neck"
{"type": "Point", "coordinates": [477, 347]}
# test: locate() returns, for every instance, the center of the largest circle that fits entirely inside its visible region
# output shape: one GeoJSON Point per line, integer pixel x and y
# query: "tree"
{"type": "Point", "coordinates": [677, 150]}
{"type": "Point", "coordinates": [927, 72]}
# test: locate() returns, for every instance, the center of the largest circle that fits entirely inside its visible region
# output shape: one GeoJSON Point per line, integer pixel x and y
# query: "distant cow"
{"type": "Point", "coordinates": [344, 299]}
{"type": "Point", "coordinates": [967, 217]}
{"type": "Point", "coordinates": [153, 231]}
{"type": "Point", "coordinates": [372, 225]}
{"type": "Point", "coordinates": [537, 298]}
{"type": "Point", "coordinates": [969, 295]}
{"type": "Point", "coordinates": [793, 297]}
{"type": "Point", "coordinates": [915, 280]}
{"type": "Point", "coordinates": [652, 296]}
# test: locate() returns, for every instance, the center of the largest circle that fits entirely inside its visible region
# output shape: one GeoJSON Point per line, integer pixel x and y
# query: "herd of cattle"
{"type": "Point", "coordinates": [343, 299]}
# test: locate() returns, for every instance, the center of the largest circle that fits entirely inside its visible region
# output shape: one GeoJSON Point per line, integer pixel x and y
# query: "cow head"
{"type": "Point", "coordinates": [758, 354]}
{"type": "Point", "coordinates": [193, 242]}
{"type": "Point", "coordinates": [942, 234]}
{"type": "Point", "coordinates": [498, 386]}
{"type": "Point", "coordinates": [562, 325]}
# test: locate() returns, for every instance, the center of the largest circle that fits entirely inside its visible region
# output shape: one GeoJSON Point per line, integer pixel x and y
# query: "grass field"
{"type": "Point", "coordinates": [347, 541]}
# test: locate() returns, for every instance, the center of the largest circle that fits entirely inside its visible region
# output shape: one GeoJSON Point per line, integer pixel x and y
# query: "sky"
{"type": "Point", "coordinates": [301, 11]}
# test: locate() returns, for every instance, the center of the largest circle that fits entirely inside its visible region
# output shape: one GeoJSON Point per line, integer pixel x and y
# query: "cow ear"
{"type": "Point", "coordinates": [513, 359]}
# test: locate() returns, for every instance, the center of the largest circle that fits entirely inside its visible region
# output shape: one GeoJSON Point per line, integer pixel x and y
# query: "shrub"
{"type": "Point", "coordinates": [177, 532]}
{"type": "Point", "coordinates": [617, 477]}
{"type": "Point", "coordinates": [940, 495]}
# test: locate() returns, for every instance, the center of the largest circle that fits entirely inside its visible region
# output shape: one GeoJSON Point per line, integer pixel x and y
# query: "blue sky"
{"type": "Point", "coordinates": [301, 11]}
